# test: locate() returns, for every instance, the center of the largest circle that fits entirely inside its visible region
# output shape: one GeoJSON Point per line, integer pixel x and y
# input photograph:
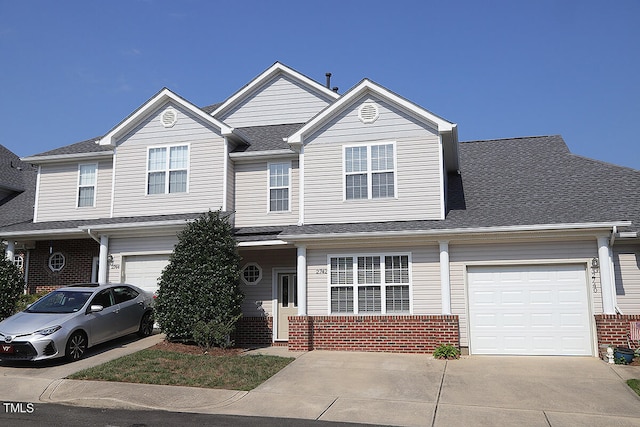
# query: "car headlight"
{"type": "Point", "coordinates": [47, 331]}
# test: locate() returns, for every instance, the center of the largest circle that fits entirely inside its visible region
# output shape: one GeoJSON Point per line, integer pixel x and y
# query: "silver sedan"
{"type": "Point", "coordinates": [67, 321]}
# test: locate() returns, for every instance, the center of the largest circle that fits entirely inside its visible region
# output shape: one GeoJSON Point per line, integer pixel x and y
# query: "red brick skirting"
{"type": "Point", "coordinates": [400, 334]}
{"type": "Point", "coordinates": [613, 329]}
{"type": "Point", "coordinates": [253, 331]}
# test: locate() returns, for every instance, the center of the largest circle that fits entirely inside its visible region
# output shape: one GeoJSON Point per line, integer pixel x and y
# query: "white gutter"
{"type": "Point", "coordinates": [66, 157]}
{"type": "Point", "coordinates": [262, 243]}
{"type": "Point", "coordinates": [475, 230]}
{"type": "Point", "coordinates": [265, 153]}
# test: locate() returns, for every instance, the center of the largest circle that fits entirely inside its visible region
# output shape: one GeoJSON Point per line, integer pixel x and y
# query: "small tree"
{"type": "Point", "coordinates": [11, 287]}
{"type": "Point", "coordinates": [199, 296]}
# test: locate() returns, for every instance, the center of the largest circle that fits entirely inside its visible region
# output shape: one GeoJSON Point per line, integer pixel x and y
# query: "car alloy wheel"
{"type": "Point", "coordinates": [76, 346]}
{"type": "Point", "coordinates": [146, 325]}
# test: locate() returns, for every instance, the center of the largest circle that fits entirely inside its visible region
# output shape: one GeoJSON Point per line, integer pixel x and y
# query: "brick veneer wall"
{"type": "Point", "coordinates": [78, 256]}
{"type": "Point", "coordinates": [400, 334]}
{"type": "Point", "coordinates": [253, 331]}
{"type": "Point", "coordinates": [613, 329]}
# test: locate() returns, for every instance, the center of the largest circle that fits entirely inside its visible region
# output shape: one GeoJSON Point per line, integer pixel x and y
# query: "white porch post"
{"type": "Point", "coordinates": [302, 280]}
{"type": "Point", "coordinates": [103, 261]}
{"type": "Point", "coordinates": [606, 274]}
{"type": "Point", "coordinates": [11, 250]}
{"type": "Point", "coordinates": [445, 282]}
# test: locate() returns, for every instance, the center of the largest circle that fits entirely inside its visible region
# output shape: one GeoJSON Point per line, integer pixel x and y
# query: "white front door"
{"type": "Point", "coordinates": [287, 303]}
{"type": "Point", "coordinates": [529, 310]}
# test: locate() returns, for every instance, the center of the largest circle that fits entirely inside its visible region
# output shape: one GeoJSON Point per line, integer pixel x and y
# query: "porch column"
{"type": "Point", "coordinates": [11, 250]}
{"type": "Point", "coordinates": [445, 279]}
{"type": "Point", "coordinates": [302, 280]}
{"type": "Point", "coordinates": [606, 274]}
{"type": "Point", "coordinates": [103, 260]}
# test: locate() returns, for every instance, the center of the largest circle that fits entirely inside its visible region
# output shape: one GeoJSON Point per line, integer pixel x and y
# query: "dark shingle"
{"type": "Point", "coordinates": [88, 146]}
{"type": "Point", "coordinates": [266, 138]}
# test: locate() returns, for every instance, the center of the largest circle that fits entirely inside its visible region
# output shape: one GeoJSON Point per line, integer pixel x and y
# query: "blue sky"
{"type": "Point", "coordinates": [71, 70]}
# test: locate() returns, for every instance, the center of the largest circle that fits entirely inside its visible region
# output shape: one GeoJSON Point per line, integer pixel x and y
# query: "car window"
{"type": "Point", "coordinates": [60, 302]}
{"type": "Point", "coordinates": [103, 298]}
{"type": "Point", "coordinates": [124, 293]}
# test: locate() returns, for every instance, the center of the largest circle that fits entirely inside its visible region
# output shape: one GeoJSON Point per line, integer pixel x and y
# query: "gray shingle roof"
{"type": "Point", "coordinates": [522, 181]}
{"type": "Point", "coordinates": [20, 178]}
{"type": "Point", "coordinates": [88, 146]}
{"type": "Point", "coordinates": [266, 138]}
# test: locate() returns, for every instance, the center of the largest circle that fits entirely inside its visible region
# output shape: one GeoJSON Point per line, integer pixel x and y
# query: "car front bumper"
{"type": "Point", "coordinates": [29, 350]}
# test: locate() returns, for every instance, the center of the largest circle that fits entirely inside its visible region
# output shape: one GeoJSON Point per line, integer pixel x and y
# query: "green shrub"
{"type": "Point", "coordinates": [200, 285]}
{"type": "Point", "coordinates": [446, 351]}
{"type": "Point", "coordinates": [211, 334]}
{"type": "Point", "coordinates": [11, 287]}
{"type": "Point", "coordinates": [26, 299]}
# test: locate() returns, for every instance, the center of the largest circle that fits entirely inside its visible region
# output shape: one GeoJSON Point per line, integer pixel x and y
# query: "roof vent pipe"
{"type": "Point", "coordinates": [328, 80]}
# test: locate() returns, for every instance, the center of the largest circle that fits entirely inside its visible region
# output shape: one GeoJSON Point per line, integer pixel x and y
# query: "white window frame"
{"type": "Point", "coordinates": [94, 184]}
{"type": "Point", "coordinates": [287, 187]}
{"type": "Point", "coordinates": [167, 169]}
{"type": "Point", "coordinates": [369, 172]}
{"type": "Point", "coordinates": [383, 284]}
{"type": "Point", "coordinates": [51, 257]}
{"type": "Point", "coordinates": [244, 268]}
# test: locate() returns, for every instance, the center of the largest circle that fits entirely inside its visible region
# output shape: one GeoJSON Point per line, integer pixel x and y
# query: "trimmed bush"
{"type": "Point", "coordinates": [11, 287]}
{"type": "Point", "coordinates": [199, 294]}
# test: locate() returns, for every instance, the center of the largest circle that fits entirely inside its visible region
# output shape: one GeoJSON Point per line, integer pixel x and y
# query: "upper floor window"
{"type": "Point", "coordinates": [376, 283]}
{"type": "Point", "coordinates": [279, 186]}
{"type": "Point", "coordinates": [369, 171]}
{"type": "Point", "coordinates": [167, 169]}
{"type": "Point", "coordinates": [87, 185]}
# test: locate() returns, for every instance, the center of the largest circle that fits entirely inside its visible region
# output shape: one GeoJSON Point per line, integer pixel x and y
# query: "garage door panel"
{"type": "Point", "coordinates": [145, 270]}
{"type": "Point", "coordinates": [537, 310]}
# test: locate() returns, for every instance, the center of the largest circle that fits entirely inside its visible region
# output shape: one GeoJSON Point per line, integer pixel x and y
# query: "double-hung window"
{"type": "Point", "coordinates": [87, 185]}
{"type": "Point", "coordinates": [279, 186]}
{"type": "Point", "coordinates": [375, 283]}
{"type": "Point", "coordinates": [369, 171]}
{"type": "Point", "coordinates": [167, 169]}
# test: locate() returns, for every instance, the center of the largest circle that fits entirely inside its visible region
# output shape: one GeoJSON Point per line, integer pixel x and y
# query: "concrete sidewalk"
{"type": "Point", "coordinates": [373, 388]}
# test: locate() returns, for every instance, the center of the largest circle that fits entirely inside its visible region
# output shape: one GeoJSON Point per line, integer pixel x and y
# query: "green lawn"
{"type": "Point", "coordinates": [635, 385]}
{"type": "Point", "coordinates": [152, 366]}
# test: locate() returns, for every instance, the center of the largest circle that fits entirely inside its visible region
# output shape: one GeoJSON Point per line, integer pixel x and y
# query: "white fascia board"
{"type": "Point", "coordinates": [459, 231]}
{"type": "Point", "coordinates": [262, 243]}
{"type": "Point", "coordinates": [364, 86]}
{"type": "Point", "coordinates": [264, 77]}
{"type": "Point", "coordinates": [263, 154]}
{"type": "Point", "coordinates": [161, 98]}
{"type": "Point", "coordinates": [136, 225]}
{"type": "Point", "coordinates": [43, 233]}
{"type": "Point", "coordinates": [67, 157]}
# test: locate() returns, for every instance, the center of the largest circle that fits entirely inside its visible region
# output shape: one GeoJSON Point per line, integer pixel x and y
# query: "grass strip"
{"type": "Point", "coordinates": [635, 385]}
{"type": "Point", "coordinates": [161, 367]}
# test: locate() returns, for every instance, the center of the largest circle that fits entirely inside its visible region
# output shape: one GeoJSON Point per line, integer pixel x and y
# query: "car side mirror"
{"type": "Point", "coordinates": [95, 308]}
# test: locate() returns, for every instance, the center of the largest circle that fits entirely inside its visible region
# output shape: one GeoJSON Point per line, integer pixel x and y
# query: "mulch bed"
{"type": "Point", "coordinates": [194, 349]}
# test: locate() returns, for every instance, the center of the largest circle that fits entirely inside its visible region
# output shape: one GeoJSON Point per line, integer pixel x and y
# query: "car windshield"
{"type": "Point", "coordinates": [60, 302]}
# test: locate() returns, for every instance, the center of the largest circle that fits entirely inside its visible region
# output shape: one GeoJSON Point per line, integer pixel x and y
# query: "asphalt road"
{"type": "Point", "coordinates": [51, 415]}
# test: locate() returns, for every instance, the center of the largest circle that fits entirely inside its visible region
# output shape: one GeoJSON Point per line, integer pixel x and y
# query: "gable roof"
{"type": "Point", "coordinates": [265, 76]}
{"type": "Point", "coordinates": [446, 129]}
{"type": "Point", "coordinates": [531, 183]}
{"type": "Point", "coordinates": [20, 178]}
{"type": "Point", "coordinates": [159, 99]}
{"type": "Point", "coordinates": [265, 138]}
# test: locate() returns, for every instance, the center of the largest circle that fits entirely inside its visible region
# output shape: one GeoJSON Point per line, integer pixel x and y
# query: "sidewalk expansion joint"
{"type": "Point", "coordinates": [435, 409]}
{"type": "Point", "coordinates": [327, 408]}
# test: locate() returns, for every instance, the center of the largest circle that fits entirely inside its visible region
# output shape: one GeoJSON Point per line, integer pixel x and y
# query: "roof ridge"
{"type": "Point", "coordinates": [512, 138]}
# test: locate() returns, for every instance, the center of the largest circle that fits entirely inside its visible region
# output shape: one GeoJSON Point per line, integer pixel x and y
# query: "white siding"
{"type": "Point", "coordinates": [280, 100]}
{"type": "Point", "coordinates": [58, 192]}
{"type": "Point", "coordinates": [626, 259]}
{"type": "Point", "coordinates": [417, 175]}
{"type": "Point", "coordinates": [425, 270]}
{"type": "Point", "coordinates": [231, 185]}
{"type": "Point", "coordinates": [206, 152]}
{"type": "Point", "coordinates": [252, 196]}
{"type": "Point", "coordinates": [258, 299]}
{"type": "Point", "coordinates": [510, 253]}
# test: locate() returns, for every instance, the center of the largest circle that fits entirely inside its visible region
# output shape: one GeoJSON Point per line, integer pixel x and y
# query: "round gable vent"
{"type": "Point", "coordinates": [368, 112]}
{"type": "Point", "coordinates": [169, 117]}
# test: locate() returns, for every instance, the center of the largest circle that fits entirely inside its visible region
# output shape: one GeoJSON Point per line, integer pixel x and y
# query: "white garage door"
{"type": "Point", "coordinates": [529, 310]}
{"type": "Point", "coordinates": [144, 270]}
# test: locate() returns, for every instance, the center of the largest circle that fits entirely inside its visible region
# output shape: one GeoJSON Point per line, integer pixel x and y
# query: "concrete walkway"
{"type": "Point", "coordinates": [372, 388]}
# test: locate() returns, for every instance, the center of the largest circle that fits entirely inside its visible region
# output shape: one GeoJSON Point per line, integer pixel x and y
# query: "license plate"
{"type": "Point", "coordinates": [6, 349]}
